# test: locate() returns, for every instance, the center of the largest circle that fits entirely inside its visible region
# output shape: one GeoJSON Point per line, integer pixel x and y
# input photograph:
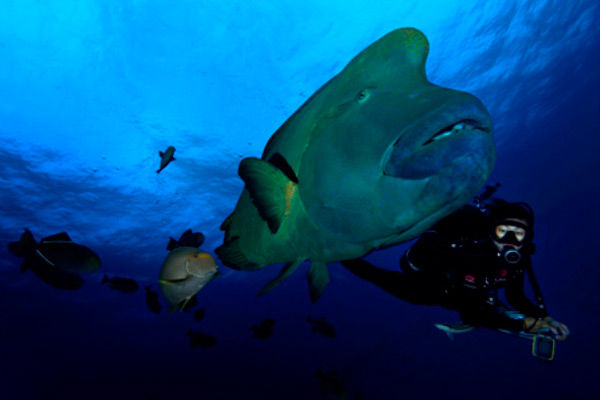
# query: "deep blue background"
{"type": "Point", "coordinates": [91, 90]}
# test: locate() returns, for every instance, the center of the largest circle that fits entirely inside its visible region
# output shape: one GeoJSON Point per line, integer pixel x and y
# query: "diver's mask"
{"type": "Point", "coordinates": [510, 235]}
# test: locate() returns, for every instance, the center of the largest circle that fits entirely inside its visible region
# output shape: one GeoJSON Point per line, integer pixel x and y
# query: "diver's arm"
{"type": "Point", "coordinates": [537, 318]}
{"type": "Point", "coordinates": [515, 295]}
{"type": "Point", "coordinates": [390, 281]}
{"type": "Point", "coordinates": [432, 254]}
{"type": "Point", "coordinates": [495, 316]}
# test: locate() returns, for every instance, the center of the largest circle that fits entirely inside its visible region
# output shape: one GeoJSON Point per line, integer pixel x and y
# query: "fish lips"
{"type": "Point", "coordinates": [456, 134]}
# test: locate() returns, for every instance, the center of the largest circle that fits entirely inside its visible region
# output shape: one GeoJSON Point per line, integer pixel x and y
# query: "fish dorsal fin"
{"type": "Point", "coordinates": [318, 278]}
{"type": "Point", "coordinates": [57, 237]}
{"type": "Point", "coordinates": [285, 272]}
{"type": "Point", "coordinates": [270, 189]}
{"type": "Point", "coordinates": [398, 58]}
{"type": "Point", "coordinates": [188, 232]}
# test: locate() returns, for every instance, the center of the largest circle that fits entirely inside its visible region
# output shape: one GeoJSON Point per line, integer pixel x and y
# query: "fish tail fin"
{"type": "Point", "coordinates": [269, 188]}
{"type": "Point", "coordinates": [172, 244]}
{"type": "Point", "coordinates": [318, 278]}
{"type": "Point", "coordinates": [285, 272]}
{"type": "Point", "coordinates": [24, 246]}
{"type": "Point", "coordinates": [231, 254]}
{"type": "Point", "coordinates": [158, 170]}
{"type": "Point", "coordinates": [26, 264]}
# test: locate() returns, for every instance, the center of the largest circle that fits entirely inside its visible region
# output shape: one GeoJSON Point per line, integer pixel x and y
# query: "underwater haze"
{"type": "Point", "coordinates": [92, 90]}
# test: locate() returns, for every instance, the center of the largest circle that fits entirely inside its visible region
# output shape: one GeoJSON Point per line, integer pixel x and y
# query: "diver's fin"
{"type": "Point", "coordinates": [270, 190]}
{"type": "Point", "coordinates": [452, 329]}
{"type": "Point", "coordinates": [172, 244]}
{"type": "Point", "coordinates": [318, 278]}
{"type": "Point", "coordinates": [58, 237]}
{"type": "Point", "coordinates": [285, 272]}
{"type": "Point", "coordinates": [231, 254]}
{"type": "Point", "coordinates": [160, 153]}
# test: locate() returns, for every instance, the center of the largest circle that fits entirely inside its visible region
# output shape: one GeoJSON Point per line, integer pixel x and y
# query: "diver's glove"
{"type": "Point", "coordinates": [559, 331]}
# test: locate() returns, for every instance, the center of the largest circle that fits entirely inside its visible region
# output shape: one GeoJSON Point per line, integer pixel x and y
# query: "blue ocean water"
{"type": "Point", "coordinates": [92, 90]}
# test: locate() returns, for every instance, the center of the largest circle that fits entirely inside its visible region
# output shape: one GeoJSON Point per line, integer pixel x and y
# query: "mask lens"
{"type": "Point", "coordinates": [512, 234]}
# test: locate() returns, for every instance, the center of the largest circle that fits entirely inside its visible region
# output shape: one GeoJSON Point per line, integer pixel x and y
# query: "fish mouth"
{"type": "Point", "coordinates": [455, 129]}
{"type": "Point", "coordinates": [459, 127]}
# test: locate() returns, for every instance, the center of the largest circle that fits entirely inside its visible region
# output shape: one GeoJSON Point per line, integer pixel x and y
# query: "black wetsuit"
{"type": "Point", "coordinates": [456, 265]}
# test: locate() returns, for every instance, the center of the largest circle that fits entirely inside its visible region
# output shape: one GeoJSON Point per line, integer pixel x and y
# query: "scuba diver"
{"type": "Point", "coordinates": [463, 262]}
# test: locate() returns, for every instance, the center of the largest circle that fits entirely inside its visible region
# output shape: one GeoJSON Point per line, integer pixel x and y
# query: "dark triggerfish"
{"type": "Point", "coordinates": [56, 259]}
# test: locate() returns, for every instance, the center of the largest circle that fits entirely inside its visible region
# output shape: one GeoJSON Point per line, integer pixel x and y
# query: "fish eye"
{"type": "Point", "coordinates": [363, 95]}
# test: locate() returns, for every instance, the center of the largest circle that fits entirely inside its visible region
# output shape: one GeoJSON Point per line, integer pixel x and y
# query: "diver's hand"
{"type": "Point", "coordinates": [559, 330]}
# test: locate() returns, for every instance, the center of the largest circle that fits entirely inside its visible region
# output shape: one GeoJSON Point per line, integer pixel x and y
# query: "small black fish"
{"type": "Point", "coordinates": [152, 302]}
{"type": "Point", "coordinates": [329, 382]}
{"type": "Point", "coordinates": [264, 330]}
{"type": "Point", "coordinates": [166, 158]}
{"type": "Point", "coordinates": [321, 326]}
{"type": "Point", "coordinates": [199, 314]}
{"type": "Point", "coordinates": [187, 239]}
{"type": "Point", "coordinates": [199, 339]}
{"type": "Point", "coordinates": [124, 285]}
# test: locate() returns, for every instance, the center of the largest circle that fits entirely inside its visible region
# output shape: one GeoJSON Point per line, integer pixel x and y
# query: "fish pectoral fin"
{"type": "Point", "coordinates": [318, 278]}
{"type": "Point", "coordinates": [182, 305]}
{"type": "Point", "coordinates": [57, 237]}
{"type": "Point", "coordinates": [160, 154]}
{"type": "Point", "coordinates": [270, 189]}
{"type": "Point", "coordinates": [231, 253]}
{"type": "Point", "coordinates": [285, 272]}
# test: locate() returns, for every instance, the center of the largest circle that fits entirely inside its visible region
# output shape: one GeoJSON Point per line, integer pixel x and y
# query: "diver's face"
{"type": "Point", "coordinates": [508, 235]}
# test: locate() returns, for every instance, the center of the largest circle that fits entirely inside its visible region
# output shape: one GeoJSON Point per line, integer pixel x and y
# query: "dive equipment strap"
{"type": "Point", "coordinates": [537, 292]}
